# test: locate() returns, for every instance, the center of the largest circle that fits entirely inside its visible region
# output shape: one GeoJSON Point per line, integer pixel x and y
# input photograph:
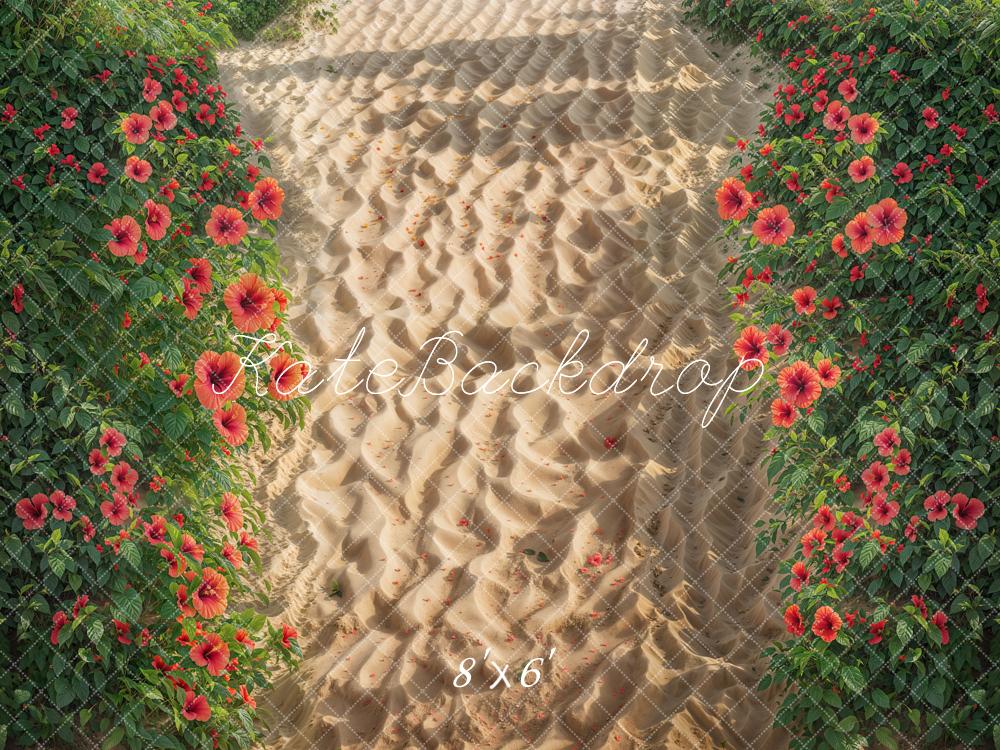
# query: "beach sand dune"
{"type": "Point", "coordinates": [516, 171]}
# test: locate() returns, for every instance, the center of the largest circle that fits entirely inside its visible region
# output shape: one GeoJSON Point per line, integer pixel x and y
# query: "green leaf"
{"type": "Point", "coordinates": [95, 630]}
{"type": "Point", "coordinates": [936, 693]}
{"type": "Point", "coordinates": [130, 552]}
{"type": "Point", "coordinates": [57, 563]}
{"type": "Point", "coordinates": [143, 288]}
{"type": "Point", "coordinates": [114, 738]}
{"type": "Point", "coordinates": [175, 423]}
{"type": "Point", "coordinates": [853, 679]}
{"type": "Point", "coordinates": [886, 737]}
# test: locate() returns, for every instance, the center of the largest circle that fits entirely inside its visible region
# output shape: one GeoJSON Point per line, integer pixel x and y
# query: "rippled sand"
{"type": "Point", "coordinates": [517, 170]}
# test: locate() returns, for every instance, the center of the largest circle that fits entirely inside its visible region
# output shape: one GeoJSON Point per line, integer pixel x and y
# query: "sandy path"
{"type": "Point", "coordinates": [516, 171]}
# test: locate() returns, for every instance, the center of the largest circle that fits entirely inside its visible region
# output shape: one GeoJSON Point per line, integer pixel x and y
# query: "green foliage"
{"type": "Point", "coordinates": [916, 592]}
{"type": "Point", "coordinates": [251, 19]}
{"type": "Point", "coordinates": [179, 28]}
{"type": "Point", "coordinates": [99, 613]}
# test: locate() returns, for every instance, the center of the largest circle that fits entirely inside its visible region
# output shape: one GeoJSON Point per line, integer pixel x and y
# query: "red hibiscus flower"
{"type": "Point", "coordinates": [830, 307]}
{"type": "Point", "coordinates": [749, 347]}
{"type": "Point", "coordinates": [842, 558]}
{"type": "Point", "coordinates": [97, 461]}
{"type": "Point", "coordinates": [800, 576]}
{"type": "Point", "coordinates": [805, 300]}
{"type": "Point", "coordinates": [863, 128]}
{"type": "Point", "coordinates": [209, 598]}
{"type": "Point", "coordinates": [157, 219]}
{"type": "Point", "coordinates": [232, 511]}
{"type": "Point", "coordinates": [824, 519]}
{"type": "Point", "coordinates": [151, 89]}
{"type": "Point", "coordinates": [191, 548]}
{"type": "Point", "coordinates": [887, 220]}
{"type": "Point", "coordinates": [138, 169]}
{"type": "Point", "coordinates": [231, 424]}
{"type": "Point", "coordinates": [62, 505]}
{"type": "Point", "coordinates": [32, 511]}
{"type": "Point", "coordinates": [982, 299]}
{"type": "Point", "coordinates": [247, 699]}
{"type": "Point", "coordinates": [113, 441]}
{"type": "Point", "coordinates": [200, 273]}
{"type": "Point", "coordinates": [732, 199]}
{"type": "Point", "coordinates": [875, 630]}
{"type": "Point", "coordinates": [286, 376]}
{"type": "Point", "coordinates": [17, 298]}
{"type": "Point", "coordinates": [218, 378]}
{"type": "Point", "coordinates": [136, 128]}
{"type": "Point", "coordinates": [191, 299]}
{"type": "Point", "coordinates": [58, 620]}
{"type": "Point", "coordinates": [177, 385]}
{"type": "Point", "coordinates": [848, 88]}
{"type": "Point", "coordinates": [251, 303]}
{"type": "Point", "coordinates": [287, 633]}
{"type": "Point", "coordinates": [212, 653]}
{"type": "Point", "coordinates": [162, 115]}
{"type": "Point", "coordinates": [97, 173]}
{"type": "Point", "coordinates": [793, 621]}
{"type": "Point", "coordinates": [156, 530]}
{"type": "Point", "coordinates": [799, 384]}
{"type": "Point", "coordinates": [940, 619]}
{"type": "Point", "coordinates": [902, 173]}
{"type": "Point", "coordinates": [226, 226]}
{"type": "Point", "coordinates": [783, 414]}
{"type": "Point", "coordinates": [826, 623]}
{"type": "Point", "coordinates": [901, 462]}
{"type": "Point", "coordinates": [875, 477]}
{"type": "Point", "coordinates": [248, 541]}
{"type": "Point", "coordinates": [967, 511]}
{"type": "Point", "coordinates": [861, 169]}
{"type": "Point", "coordinates": [125, 233]}
{"type": "Point", "coordinates": [883, 513]}
{"type": "Point", "coordinates": [122, 629]}
{"type": "Point", "coordinates": [936, 505]}
{"type": "Point", "coordinates": [773, 227]}
{"type": "Point", "coordinates": [195, 707]}
{"type": "Point", "coordinates": [116, 510]}
{"type": "Point", "coordinates": [265, 199]}
{"type": "Point", "coordinates": [779, 338]}
{"type": "Point", "coordinates": [930, 116]}
{"type": "Point", "coordinates": [124, 477]}
{"type": "Point", "coordinates": [175, 563]}
{"type": "Point", "coordinates": [69, 116]}
{"type": "Point", "coordinates": [860, 233]}
{"type": "Point", "coordinates": [812, 539]}
{"type": "Point", "coordinates": [887, 441]}
{"type": "Point", "coordinates": [182, 601]}
{"type": "Point", "coordinates": [233, 555]}
{"type": "Point", "coordinates": [828, 373]}
{"type": "Point", "coordinates": [836, 116]}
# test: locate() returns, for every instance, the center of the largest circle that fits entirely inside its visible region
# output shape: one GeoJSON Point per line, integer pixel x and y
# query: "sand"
{"type": "Point", "coordinates": [517, 171]}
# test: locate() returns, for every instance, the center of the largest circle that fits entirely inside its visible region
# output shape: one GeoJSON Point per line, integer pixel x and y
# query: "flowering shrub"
{"type": "Point", "coordinates": [865, 210]}
{"type": "Point", "coordinates": [136, 225]}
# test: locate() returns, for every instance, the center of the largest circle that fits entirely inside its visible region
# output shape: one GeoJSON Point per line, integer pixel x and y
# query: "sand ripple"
{"type": "Point", "coordinates": [517, 171]}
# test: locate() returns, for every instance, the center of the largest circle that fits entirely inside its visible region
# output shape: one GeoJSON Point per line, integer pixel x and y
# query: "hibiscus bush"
{"type": "Point", "coordinates": [136, 244]}
{"type": "Point", "coordinates": [864, 213]}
